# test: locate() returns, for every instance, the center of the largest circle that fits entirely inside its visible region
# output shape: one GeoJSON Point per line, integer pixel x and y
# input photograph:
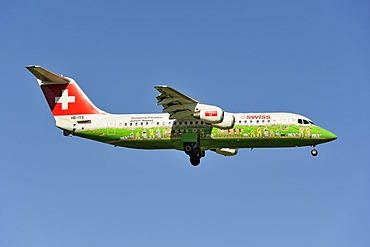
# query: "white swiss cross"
{"type": "Point", "coordinates": [65, 99]}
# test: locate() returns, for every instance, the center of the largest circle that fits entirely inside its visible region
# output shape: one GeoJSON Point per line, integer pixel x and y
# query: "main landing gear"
{"type": "Point", "coordinates": [194, 151]}
{"type": "Point", "coordinates": [314, 152]}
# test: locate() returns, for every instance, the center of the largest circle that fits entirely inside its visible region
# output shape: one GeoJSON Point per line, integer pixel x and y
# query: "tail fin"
{"type": "Point", "coordinates": [63, 94]}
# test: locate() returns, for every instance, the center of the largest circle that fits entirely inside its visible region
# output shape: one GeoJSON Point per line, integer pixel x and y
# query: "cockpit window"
{"type": "Point", "coordinates": [304, 121]}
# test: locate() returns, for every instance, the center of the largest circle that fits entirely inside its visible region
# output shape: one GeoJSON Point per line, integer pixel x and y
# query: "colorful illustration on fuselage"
{"type": "Point", "coordinates": [186, 124]}
{"type": "Point", "coordinates": [246, 132]}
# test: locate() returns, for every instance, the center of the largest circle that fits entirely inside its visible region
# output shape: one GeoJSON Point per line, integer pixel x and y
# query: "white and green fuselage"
{"type": "Point", "coordinates": [157, 131]}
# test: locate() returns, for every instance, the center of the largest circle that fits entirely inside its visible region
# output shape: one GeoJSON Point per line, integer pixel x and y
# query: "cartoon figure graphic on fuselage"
{"type": "Point", "coordinates": [266, 132]}
{"type": "Point", "coordinates": [259, 131]}
{"type": "Point", "coordinates": [301, 130]}
{"type": "Point", "coordinates": [308, 132]}
{"type": "Point", "coordinates": [185, 125]}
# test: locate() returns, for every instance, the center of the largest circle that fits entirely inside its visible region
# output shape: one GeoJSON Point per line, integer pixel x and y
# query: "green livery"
{"type": "Point", "coordinates": [238, 137]}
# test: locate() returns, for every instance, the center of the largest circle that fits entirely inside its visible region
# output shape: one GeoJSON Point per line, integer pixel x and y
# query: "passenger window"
{"type": "Point", "coordinates": [196, 122]}
{"type": "Point", "coordinates": [157, 123]}
{"type": "Point", "coordinates": [125, 124]}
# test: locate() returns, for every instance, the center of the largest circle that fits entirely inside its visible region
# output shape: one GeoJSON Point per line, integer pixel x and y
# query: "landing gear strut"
{"type": "Point", "coordinates": [194, 151]}
{"type": "Point", "coordinates": [314, 152]}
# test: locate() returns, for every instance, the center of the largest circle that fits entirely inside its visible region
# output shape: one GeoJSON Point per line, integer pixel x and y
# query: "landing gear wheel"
{"type": "Point", "coordinates": [194, 151]}
{"type": "Point", "coordinates": [195, 161]}
{"type": "Point", "coordinates": [314, 152]}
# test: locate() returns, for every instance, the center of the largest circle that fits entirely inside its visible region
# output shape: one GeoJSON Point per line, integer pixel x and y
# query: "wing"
{"type": "Point", "coordinates": [178, 105]}
{"type": "Point", "coordinates": [181, 106]}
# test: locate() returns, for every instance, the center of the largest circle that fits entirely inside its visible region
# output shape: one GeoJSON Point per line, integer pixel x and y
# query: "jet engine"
{"type": "Point", "coordinates": [215, 116]}
{"type": "Point", "coordinates": [209, 114]}
{"type": "Point", "coordinates": [227, 123]}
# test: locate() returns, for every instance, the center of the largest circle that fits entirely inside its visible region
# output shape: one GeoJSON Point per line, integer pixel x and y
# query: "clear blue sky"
{"type": "Point", "coordinates": [307, 57]}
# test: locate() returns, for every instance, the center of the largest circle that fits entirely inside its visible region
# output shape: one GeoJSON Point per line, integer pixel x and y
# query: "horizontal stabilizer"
{"type": "Point", "coordinates": [45, 75]}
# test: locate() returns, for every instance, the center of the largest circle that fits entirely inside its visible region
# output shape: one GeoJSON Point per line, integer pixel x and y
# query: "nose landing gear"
{"type": "Point", "coordinates": [314, 152]}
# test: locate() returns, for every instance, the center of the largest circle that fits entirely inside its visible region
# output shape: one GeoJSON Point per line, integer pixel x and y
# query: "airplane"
{"type": "Point", "coordinates": [186, 124]}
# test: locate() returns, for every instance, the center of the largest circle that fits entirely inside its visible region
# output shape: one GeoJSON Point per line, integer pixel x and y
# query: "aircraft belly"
{"type": "Point", "coordinates": [257, 143]}
{"type": "Point", "coordinates": [163, 144]}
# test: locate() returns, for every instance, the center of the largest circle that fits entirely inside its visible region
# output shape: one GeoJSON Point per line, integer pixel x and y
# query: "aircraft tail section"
{"type": "Point", "coordinates": [63, 94]}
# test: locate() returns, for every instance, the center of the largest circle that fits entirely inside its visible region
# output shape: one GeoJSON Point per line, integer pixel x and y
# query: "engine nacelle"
{"type": "Point", "coordinates": [227, 123]}
{"type": "Point", "coordinates": [226, 151]}
{"type": "Point", "coordinates": [210, 114]}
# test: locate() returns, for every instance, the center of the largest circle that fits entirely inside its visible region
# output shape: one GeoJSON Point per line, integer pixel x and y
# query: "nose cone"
{"type": "Point", "coordinates": [330, 136]}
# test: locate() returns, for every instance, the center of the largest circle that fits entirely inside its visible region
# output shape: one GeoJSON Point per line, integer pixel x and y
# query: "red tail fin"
{"type": "Point", "coordinates": [63, 94]}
